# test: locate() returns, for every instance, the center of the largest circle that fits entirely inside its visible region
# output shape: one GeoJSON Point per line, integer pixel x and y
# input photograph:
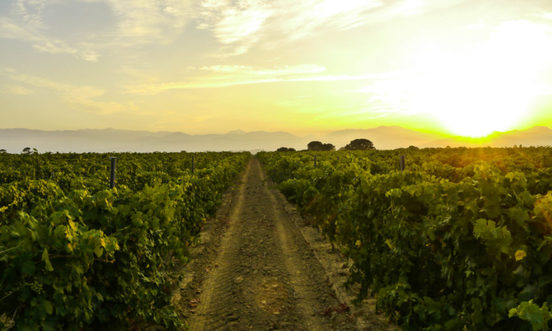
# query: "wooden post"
{"type": "Point", "coordinates": [315, 161]}
{"type": "Point", "coordinates": [112, 177]}
{"type": "Point", "coordinates": [193, 164]}
{"type": "Point", "coordinates": [37, 166]}
{"type": "Point", "coordinates": [402, 164]}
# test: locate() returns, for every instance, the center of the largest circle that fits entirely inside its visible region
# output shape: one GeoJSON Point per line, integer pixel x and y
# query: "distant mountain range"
{"type": "Point", "coordinates": [111, 140]}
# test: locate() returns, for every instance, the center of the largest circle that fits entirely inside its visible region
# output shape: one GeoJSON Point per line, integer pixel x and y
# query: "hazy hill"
{"type": "Point", "coordinates": [537, 136]}
{"type": "Point", "coordinates": [108, 140]}
{"type": "Point", "coordinates": [383, 137]}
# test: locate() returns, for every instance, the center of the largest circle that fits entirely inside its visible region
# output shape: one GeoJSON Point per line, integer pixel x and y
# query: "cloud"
{"type": "Point", "coordinates": [297, 20]}
{"type": "Point", "coordinates": [544, 15]}
{"type": "Point", "coordinates": [238, 25]}
{"type": "Point", "coordinates": [83, 96]}
{"type": "Point", "coordinates": [139, 22]}
{"type": "Point", "coordinates": [216, 76]}
{"type": "Point", "coordinates": [42, 43]}
{"type": "Point", "coordinates": [235, 24]}
{"type": "Point", "coordinates": [243, 23]}
{"type": "Point", "coordinates": [30, 12]}
{"type": "Point", "coordinates": [227, 76]}
{"type": "Point", "coordinates": [146, 21]}
{"type": "Point", "coordinates": [16, 90]}
{"type": "Point", "coordinates": [26, 24]}
{"type": "Point", "coordinates": [249, 70]}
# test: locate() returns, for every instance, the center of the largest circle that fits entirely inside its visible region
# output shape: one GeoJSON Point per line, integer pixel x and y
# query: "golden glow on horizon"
{"type": "Point", "coordinates": [456, 68]}
{"type": "Point", "coordinates": [481, 88]}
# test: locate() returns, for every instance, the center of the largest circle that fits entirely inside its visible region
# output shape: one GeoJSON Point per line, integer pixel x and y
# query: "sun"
{"type": "Point", "coordinates": [476, 90]}
{"type": "Point", "coordinates": [474, 94]}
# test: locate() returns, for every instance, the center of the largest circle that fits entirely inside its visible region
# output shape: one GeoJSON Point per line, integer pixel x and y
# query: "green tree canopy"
{"type": "Point", "coordinates": [285, 149]}
{"type": "Point", "coordinates": [360, 144]}
{"type": "Point", "coordinates": [319, 146]}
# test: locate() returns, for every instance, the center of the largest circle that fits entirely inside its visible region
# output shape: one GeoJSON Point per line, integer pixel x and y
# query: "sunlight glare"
{"type": "Point", "coordinates": [480, 90]}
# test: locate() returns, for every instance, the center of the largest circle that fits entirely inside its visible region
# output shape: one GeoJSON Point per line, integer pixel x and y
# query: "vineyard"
{"type": "Point", "coordinates": [444, 239]}
{"type": "Point", "coordinates": [75, 253]}
{"type": "Point", "coordinates": [459, 239]}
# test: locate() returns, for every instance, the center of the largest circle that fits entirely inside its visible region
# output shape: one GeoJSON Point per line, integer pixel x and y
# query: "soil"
{"type": "Point", "coordinates": [253, 269]}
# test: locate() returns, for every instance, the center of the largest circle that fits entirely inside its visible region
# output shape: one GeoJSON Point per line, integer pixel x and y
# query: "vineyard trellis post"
{"type": "Point", "coordinates": [193, 163]}
{"type": "Point", "coordinates": [112, 177]}
{"type": "Point", "coordinates": [402, 163]}
{"type": "Point", "coordinates": [315, 161]}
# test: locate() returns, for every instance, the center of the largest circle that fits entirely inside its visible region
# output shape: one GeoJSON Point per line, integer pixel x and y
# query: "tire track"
{"type": "Point", "coordinates": [265, 277]}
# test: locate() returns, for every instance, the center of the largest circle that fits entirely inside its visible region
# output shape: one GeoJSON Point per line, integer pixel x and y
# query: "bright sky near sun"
{"type": "Point", "coordinates": [461, 67]}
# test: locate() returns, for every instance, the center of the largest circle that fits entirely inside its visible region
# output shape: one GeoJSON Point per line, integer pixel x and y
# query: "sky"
{"type": "Point", "coordinates": [457, 67]}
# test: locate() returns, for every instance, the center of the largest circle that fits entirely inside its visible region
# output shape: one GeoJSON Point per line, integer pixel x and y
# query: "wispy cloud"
{"type": "Point", "coordinates": [42, 43]}
{"type": "Point", "coordinates": [243, 23]}
{"type": "Point", "coordinates": [26, 23]}
{"type": "Point", "coordinates": [250, 70]}
{"type": "Point", "coordinates": [237, 25]}
{"type": "Point", "coordinates": [544, 15]}
{"type": "Point", "coordinates": [83, 96]}
{"type": "Point", "coordinates": [227, 76]}
{"type": "Point", "coordinates": [146, 21]}
{"type": "Point", "coordinates": [297, 20]}
{"type": "Point", "coordinates": [16, 90]}
{"type": "Point", "coordinates": [139, 22]}
{"type": "Point", "coordinates": [223, 75]}
{"type": "Point", "coordinates": [234, 24]}
{"type": "Point", "coordinates": [30, 12]}
{"type": "Point", "coordinates": [240, 24]}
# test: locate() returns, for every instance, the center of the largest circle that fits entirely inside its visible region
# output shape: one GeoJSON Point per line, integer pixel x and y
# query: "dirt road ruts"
{"type": "Point", "coordinates": [257, 272]}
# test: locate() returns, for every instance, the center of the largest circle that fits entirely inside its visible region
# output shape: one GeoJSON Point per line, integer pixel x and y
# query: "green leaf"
{"type": "Point", "coordinates": [46, 260]}
{"type": "Point", "coordinates": [529, 311]}
{"type": "Point", "coordinates": [48, 307]}
{"type": "Point", "coordinates": [98, 250]}
{"type": "Point", "coordinates": [481, 228]}
{"type": "Point", "coordinates": [497, 238]}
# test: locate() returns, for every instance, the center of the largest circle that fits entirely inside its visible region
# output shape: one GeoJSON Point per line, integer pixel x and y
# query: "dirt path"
{"type": "Point", "coordinates": [255, 271]}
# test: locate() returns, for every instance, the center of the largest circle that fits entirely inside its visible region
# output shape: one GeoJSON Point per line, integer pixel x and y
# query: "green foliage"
{"type": "Point", "coordinates": [285, 149]}
{"type": "Point", "coordinates": [455, 241]}
{"type": "Point", "coordinates": [359, 145]}
{"type": "Point", "coordinates": [537, 316]}
{"type": "Point", "coordinates": [76, 255]}
{"type": "Point", "coordinates": [319, 146]}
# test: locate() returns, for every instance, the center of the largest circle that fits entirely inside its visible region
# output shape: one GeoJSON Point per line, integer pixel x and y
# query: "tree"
{"type": "Point", "coordinates": [315, 146]}
{"type": "Point", "coordinates": [29, 151]}
{"type": "Point", "coordinates": [328, 147]}
{"type": "Point", "coordinates": [285, 149]}
{"type": "Point", "coordinates": [319, 146]}
{"type": "Point", "coordinates": [3, 151]}
{"type": "Point", "coordinates": [360, 144]}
